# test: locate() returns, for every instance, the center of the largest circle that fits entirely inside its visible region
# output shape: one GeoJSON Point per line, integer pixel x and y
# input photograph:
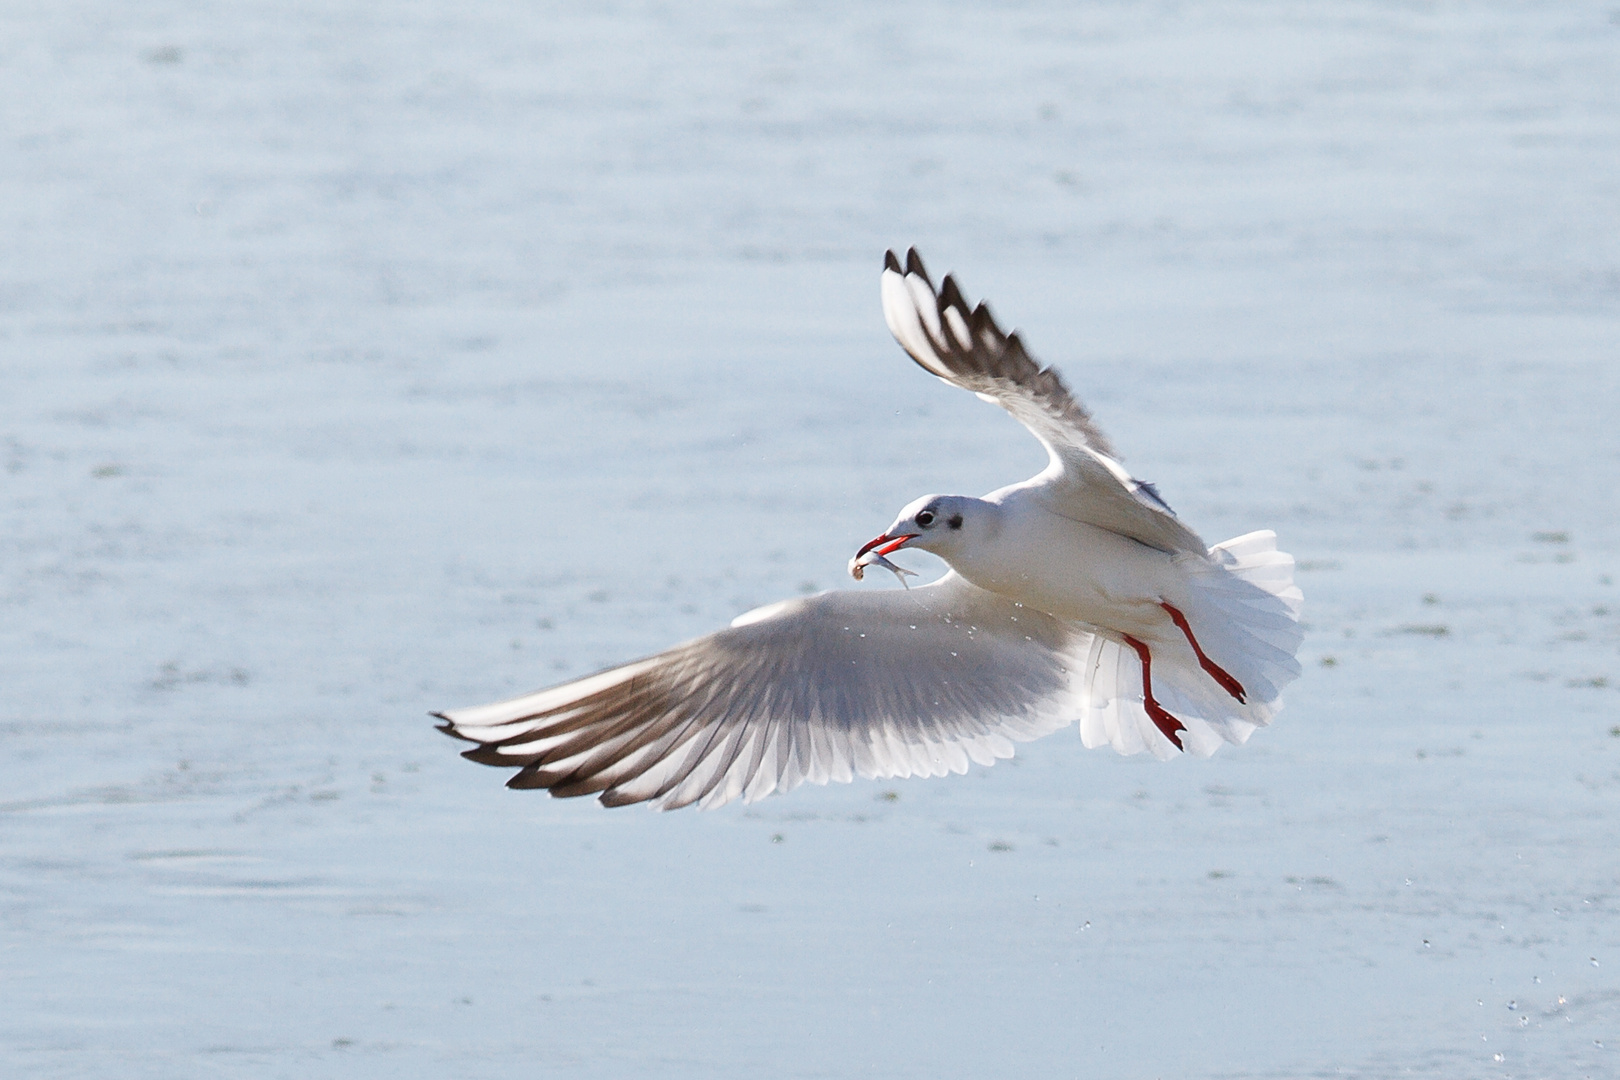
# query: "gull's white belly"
{"type": "Point", "coordinates": [1074, 571]}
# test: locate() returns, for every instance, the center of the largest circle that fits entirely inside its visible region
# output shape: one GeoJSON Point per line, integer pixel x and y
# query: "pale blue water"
{"type": "Point", "coordinates": [356, 363]}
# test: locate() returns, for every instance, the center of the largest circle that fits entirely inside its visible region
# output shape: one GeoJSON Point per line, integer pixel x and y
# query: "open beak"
{"type": "Point", "coordinates": [886, 543]}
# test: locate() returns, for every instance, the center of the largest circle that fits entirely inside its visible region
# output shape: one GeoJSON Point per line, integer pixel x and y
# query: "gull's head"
{"type": "Point", "coordinates": [936, 523]}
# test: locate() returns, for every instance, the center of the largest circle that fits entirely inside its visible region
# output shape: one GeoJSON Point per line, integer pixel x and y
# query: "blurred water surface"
{"type": "Point", "coordinates": [359, 361]}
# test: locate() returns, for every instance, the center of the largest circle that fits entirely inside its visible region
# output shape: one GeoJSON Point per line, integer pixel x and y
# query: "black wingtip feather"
{"type": "Point", "coordinates": [983, 322]}
{"type": "Point", "coordinates": [449, 728]}
{"type": "Point", "coordinates": [914, 265]}
{"type": "Point", "coordinates": [491, 755]}
{"type": "Point", "coordinates": [572, 787]}
{"type": "Point", "coordinates": [891, 262]}
{"type": "Point", "coordinates": [529, 779]}
{"type": "Point", "coordinates": [612, 797]}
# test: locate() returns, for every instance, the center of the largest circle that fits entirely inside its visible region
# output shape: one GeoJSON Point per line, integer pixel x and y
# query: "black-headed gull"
{"type": "Point", "coordinates": [1075, 595]}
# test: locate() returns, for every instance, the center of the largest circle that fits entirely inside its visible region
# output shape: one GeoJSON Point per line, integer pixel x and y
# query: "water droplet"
{"type": "Point", "coordinates": [1524, 1021]}
{"type": "Point", "coordinates": [1426, 944]}
{"type": "Point", "coordinates": [1535, 978]}
{"type": "Point", "coordinates": [1496, 1057]}
{"type": "Point", "coordinates": [1594, 962]}
{"type": "Point", "coordinates": [1087, 926]}
{"type": "Point", "coordinates": [1408, 881]}
{"type": "Point", "coordinates": [1513, 1005]}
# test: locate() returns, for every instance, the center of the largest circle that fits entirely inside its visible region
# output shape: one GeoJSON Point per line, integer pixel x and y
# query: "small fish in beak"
{"type": "Point", "coordinates": [858, 565]}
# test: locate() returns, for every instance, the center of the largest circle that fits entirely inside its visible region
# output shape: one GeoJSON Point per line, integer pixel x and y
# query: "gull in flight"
{"type": "Point", "coordinates": [1076, 595]}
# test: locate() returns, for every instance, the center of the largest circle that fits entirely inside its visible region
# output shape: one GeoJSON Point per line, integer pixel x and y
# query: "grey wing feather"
{"type": "Point", "coordinates": [880, 684]}
{"type": "Point", "coordinates": [963, 346]}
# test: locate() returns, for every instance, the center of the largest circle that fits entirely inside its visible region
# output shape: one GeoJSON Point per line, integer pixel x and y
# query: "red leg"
{"type": "Point", "coordinates": [1165, 722]}
{"type": "Point", "coordinates": [1215, 671]}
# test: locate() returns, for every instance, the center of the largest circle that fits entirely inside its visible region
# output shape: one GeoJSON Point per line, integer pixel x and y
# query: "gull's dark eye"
{"type": "Point", "coordinates": [925, 518]}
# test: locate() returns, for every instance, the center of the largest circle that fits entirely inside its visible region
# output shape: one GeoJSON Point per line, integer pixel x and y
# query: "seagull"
{"type": "Point", "coordinates": [1074, 596]}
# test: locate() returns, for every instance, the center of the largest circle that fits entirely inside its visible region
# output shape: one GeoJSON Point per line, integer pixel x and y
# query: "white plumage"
{"type": "Point", "coordinates": [1076, 595]}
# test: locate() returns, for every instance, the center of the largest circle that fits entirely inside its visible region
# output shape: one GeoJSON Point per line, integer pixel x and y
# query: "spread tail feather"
{"type": "Point", "coordinates": [1243, 606]}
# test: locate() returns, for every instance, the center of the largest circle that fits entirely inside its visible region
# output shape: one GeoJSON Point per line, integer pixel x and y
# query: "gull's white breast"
{"type": "Point", "coordinates": [1068, 568]}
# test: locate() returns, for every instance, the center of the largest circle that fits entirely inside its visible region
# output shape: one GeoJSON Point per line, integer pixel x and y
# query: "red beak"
{"type": "Point", "coordinates": [894, 543]}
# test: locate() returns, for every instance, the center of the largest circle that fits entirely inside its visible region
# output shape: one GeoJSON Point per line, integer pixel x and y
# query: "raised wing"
{"type": "Point", "coordinates": [879, 683]}
{"type": "Point", "coordinates": [966, 348]}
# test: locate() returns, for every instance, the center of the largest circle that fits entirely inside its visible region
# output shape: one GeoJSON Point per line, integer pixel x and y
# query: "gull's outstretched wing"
{"type": "Point", "coordinates": [965, 347]}
{"type": "Point", "coordinates": [880, 683]}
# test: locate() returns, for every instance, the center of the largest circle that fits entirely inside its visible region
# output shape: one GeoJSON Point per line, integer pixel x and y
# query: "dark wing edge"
{"type": "Point", "coordinates": [876, 683]}
{"type": "Point", "coordinates": [964, 346]}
